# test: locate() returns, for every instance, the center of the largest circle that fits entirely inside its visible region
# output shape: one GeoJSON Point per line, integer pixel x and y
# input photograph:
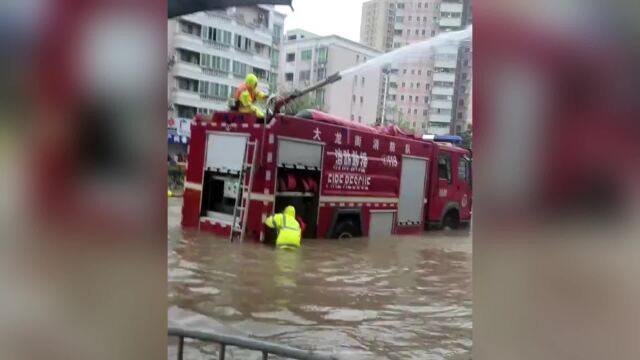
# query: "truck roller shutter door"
{"type": "Point", "coordinates": [299, 154]}
{"type": "Point", "coordinates": [225, 152]}
{"type": "Point", "coordinates": [412, 184]}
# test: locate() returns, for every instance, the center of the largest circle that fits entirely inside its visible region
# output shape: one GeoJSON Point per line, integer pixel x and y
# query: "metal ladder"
{"type": "Point", "coordinates": [241, 207]}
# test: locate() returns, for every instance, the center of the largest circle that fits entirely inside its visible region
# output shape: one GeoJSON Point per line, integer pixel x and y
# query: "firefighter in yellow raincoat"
{"type": "Point", "coordinates": [247, 94]}
{"type": "Point", "coordinates": [289, 229]}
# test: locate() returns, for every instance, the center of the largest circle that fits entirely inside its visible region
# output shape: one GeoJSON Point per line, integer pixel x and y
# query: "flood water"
{"type": "Point", "coordinates": [403, 297]}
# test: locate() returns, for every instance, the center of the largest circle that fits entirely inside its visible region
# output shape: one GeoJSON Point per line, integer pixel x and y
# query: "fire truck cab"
{"type": "Point", "coordinates": [345, 179]}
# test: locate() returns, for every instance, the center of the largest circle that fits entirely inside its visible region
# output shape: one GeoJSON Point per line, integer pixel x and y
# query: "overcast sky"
{"type": "Point", "coordinates": [325, 17]}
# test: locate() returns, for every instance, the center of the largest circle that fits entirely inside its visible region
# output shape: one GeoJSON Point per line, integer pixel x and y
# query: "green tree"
{"type": "Point", "coordinates": [404, 124]}
{"type": "Point", "coordinates": [467, 137]}
{"type": "Point", "coordinates": [307, 101]}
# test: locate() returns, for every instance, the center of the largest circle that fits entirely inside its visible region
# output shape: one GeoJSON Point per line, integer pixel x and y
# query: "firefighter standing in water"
{"type": "Point", "coordinates": [247, 94]}
{"type": "Point", "coordinates": [288, 227]}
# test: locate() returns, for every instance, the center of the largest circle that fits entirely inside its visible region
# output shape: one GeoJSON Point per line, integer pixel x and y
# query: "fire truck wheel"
{"type": "Point", "coordinates": [346, 230]}
{"type": "Point", "coordinates": [451, 220]}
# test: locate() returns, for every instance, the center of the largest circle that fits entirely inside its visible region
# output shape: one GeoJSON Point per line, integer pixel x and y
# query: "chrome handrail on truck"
{"type": "Point", "coordinates": [245, 343]}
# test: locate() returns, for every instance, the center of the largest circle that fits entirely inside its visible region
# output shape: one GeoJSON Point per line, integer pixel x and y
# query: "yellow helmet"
{"type": "Point", "coordinates": [251, 80]}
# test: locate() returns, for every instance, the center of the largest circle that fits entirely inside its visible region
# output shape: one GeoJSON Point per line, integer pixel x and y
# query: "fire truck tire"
{"type": "Point", "coordinates": [451, 220]}
{"type": "Point", "coordinates": [346, 230]}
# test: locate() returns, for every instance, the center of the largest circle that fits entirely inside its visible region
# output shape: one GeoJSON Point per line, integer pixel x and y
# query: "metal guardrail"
{"type": "Point", "coordinates": [264, 347]}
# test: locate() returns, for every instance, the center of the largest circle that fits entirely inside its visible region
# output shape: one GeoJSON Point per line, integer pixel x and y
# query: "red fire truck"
{"type": "Point", "coordinates": [345, 179]}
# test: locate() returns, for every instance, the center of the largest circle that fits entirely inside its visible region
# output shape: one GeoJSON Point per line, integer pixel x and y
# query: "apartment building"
{"type": "Point", "coordinates": [309, 58]}
{"type": "Point", "coordinates": [423, 91]}
{"type": "Point", "coordinates": [211, 52]}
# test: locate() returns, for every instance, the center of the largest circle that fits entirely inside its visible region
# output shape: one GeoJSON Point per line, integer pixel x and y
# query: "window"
{"type": "Point", "coordinates": [305, 54]}
{"type": "Point", "coordinates": [305, 75]}
{"type": "Point", "coordinates": [189, 56]}
{"type": "Point", "coordinates": [424, 112]}
{"type": "Point", "coordinates": [322, 55]}
{"type": "Point", "coordinates": [413, 71]}
{"type": "Point", "coordinates": [419, 5]}
{"type": "Point", "coordinates": [408, 111]}
{"type": "Point", "coordinates": [404, 71]}
{"type": "Point", "coordinates": [409, 18]}
{"type": "Point", "coordinates": [411, 85]}
{"type": "Point", "coordinates": [361, 100]}
{"type": "Point", "coordinates": [417, 85]}
{"type": "Point", "coordinates": [359, 118]}
{"type": "Point", "coordinates": [399, 19]}
{"type": "Point", "coordinates": [403, 84]}
{"type": "Point", "coordinates": [351, 117]}
{"type": "Point", "coordinates": [275, 57]}
{"type": "Point", "coordinates": [417, 32]}
{"type": "Point", "coordinates": [288, 77]}
{"type": "Point", "coordinates": [353, 98]}
{"type": "Point", "coordinates": [424, 32]}
{"type": "Point", "coordinates": [433, 33]}
{"type": "Point", "coordinates": [187, 84]}
{"type": "Point", "coordinates": [400, 5]}
{"type": "Point", "coordinates": [397, 32]}
{"type": "Point", "coordinates": [362, 82]}
{"type": "Point", "coordinates": [401, 97]}
{"type": "Point", "coordinates": [463, 167]}
{"type": "Point", "coordinates": [322, 73]}
{"type": "Point", "coordinates": [466, 63]}
{"type": "Point", "coordinates": [277, 30]}
{"type": "Point", "coordinates": [444, 167]}
{"type": "Point", "coordinates": [464, 76]}
{"type": "Point", "coordinates": [190, 28]}
{"type": "Point", "coordinates": [291, 57]}
{"type": "Point", "coordinates": [291, 37]}
{"type": "Point", "coordinates": [415, 111]}
{"type": "Point", "coordinates": [357, 58]}
{"type": "Point", "coordinates": [410, 98]}
{"type": "Point", "coordinates": [397, 45]}
{"type": "Point", "coordinates": [426, 99]}
{"type": "Point", "coordinates": [424, 18]}
{"type": "Point", "coordinates": [428, 72]}
{"type": "Point", "coordinates": [419, 72]}
{"type": "Point", "coordinates": [239, 68]}
{"type": "Point", "coordinates": [424, 126]}
{"type": "Point", "coordinates": [459, 116]}
{"type": "Point", "coordinates": [427, 86]}
{"type": "Point", "coordinates": [461, 102]}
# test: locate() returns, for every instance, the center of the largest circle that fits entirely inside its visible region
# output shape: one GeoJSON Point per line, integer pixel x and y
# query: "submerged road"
{"type": "Point", "coordinates": [402, 297]}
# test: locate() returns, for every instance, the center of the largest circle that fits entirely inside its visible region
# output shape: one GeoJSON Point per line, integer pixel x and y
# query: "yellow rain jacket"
{"type": "Point", "coordinates": [247, 94]}
{"type": "Point", "coordinates": [289, 231]}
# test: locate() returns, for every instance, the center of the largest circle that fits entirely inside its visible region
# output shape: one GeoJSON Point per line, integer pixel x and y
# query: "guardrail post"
{"type": "Point", "coordinates": [265, 355]}
{"type": "Point", "coordinates": [180, 347]}
{"type": "Point", "coordinates": [222, 351]}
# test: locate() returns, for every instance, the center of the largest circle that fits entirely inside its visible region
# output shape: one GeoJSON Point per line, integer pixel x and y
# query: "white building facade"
{"type": "Point", "coordinates": [211, 52]}
{"type": "Point", "coordinates": [423, 93]}
{"type": "Point", "coordinates": [308, 58]}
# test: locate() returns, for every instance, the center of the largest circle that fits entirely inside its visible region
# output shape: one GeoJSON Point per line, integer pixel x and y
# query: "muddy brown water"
{"type": "Point", "coordinates": [401, 297]}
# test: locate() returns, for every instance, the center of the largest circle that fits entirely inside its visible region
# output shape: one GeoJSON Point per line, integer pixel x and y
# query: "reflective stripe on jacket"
{"type": "Point", "coordinates": [289, 232]}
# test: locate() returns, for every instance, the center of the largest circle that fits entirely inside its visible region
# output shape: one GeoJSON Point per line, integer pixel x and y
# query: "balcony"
{"type": "Point", "coordinates": [453, 7]}
{"type": "Point", "coordinates": [450, 22]}
{"type": "Point", "coordinates": [437, 90]}
{"type": "Point", "coordinates": [440, 118]}
{"type": "Point", "coordinates": [447, 77]}
{"type": "Point", "coordinates": [442, 104]}
{"type": "Point", "coordinates": [447, 64]}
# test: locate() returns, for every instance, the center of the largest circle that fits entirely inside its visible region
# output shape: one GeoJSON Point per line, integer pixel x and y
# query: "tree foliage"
{"type": "Point", "coordinates": [307, 101]}
{"type": "Point", "coordinates": [467, 137]}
